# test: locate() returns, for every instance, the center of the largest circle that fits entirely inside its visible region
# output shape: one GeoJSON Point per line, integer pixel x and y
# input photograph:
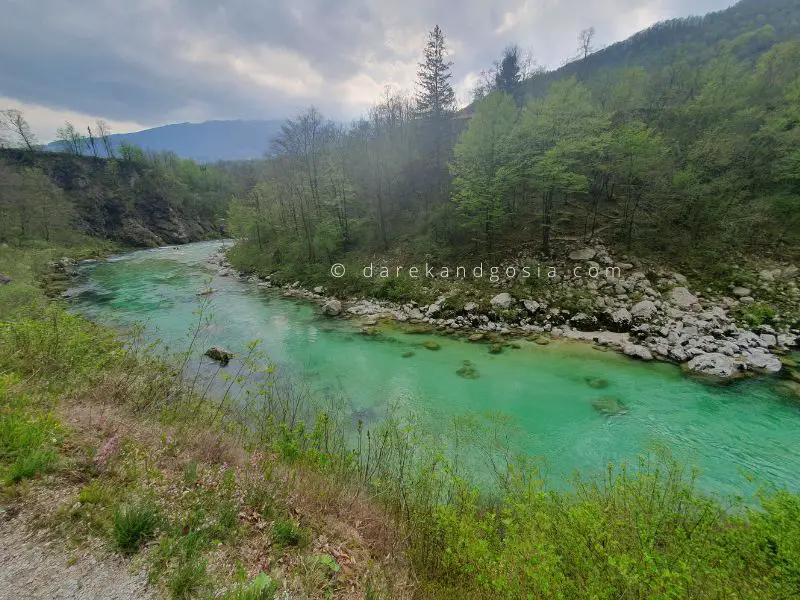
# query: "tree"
{"type": "Point", "coordinates": [103, 132]}
{"type": "Point", "coordinates": [17, 130]}
{"type": "Point", "coordinates": [69, 139]}
{"type": "Point", "coordinates": [435, 95]}
{"type": "Point", "coordinates": [508, 78]}
{"type": "Point", "coordinates": [480, 181]}
{"type": "Point", "coordinates": [585, 42]}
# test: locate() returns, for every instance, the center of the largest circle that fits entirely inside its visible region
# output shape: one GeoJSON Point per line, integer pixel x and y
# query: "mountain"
{"type": "Point", "coordinates": [749, 27]}
{"type": "Point", "coordinates": [209, 141]}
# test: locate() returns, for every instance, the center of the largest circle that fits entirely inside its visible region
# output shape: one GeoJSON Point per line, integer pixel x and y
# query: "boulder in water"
{"type": "Point", "coordinates": [468, 370]}
{"type": "Point", "coordinates": [430, 345]}
{"type": "Point", "coordinates": [221, 355]}
{"type": "Point", "coordinates": [597, 383]}
{"type": "Point", "coordinates": [609, 406]}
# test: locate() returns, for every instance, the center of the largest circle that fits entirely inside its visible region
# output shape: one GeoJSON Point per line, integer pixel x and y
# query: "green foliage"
{"type": "Point", "coordinates": [263, 587]}
{"type": "Point", "coordinates": [135, 523]}
{"type": "Point", "coordinates": [187, 580]}
{"type": "Point", "coordinates": [286, 532]}
{"type": "Point", "coordinates": [28, 438]}
{"type": "Point", "coordinates": [757, 314]}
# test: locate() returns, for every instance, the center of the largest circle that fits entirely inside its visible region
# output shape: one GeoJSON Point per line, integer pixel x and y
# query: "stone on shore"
{"type": "Point", "coordinates": [713, 364]}
{"type": "Point", "coordinates": [682, 298]}
{"type": "Point", "coordinates": [502, 301]}
{"type": "Point", "coordinates": [644, 310]}
{"type": "Point", "coordinates": [332, 308]}
{"type": "Point", "coordinates": [583, 254]}
{"type": "Point", "coordinates": [637, 351]}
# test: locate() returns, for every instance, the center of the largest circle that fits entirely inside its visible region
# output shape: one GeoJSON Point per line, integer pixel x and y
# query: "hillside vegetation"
{"type": "Point", "coordinates": [133, 200]}
{"type": "Point", "coordinates": [680, 143]}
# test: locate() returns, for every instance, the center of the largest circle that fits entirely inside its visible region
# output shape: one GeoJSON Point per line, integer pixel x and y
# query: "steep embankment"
{"type": "Point", "coordinates": [136, 203]}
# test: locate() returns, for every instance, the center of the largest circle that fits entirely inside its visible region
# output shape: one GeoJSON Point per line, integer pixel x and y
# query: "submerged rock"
{"type": "Point", "coordinates": [468, 370]}
{"type": "Point", "coordinates": [221, 355]}
{"type": "Point", "coordinates": [430, 345]}
{"type": "Point", "coordinates": [408, 354]}
{"type": "Point", "coordinates": [495, 349]}
{"type": "Point", "coordinates": [609, 406]}
{"type": "Point", "coordinates": [476, 337]}
{"type": "Point", "coordinates": [206, 291]}
{"type": "Point", "coordinates": [597, 383]}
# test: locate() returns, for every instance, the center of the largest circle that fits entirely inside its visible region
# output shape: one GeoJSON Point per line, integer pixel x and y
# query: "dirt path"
{"type": "Point", "coordinates": [35, 568]}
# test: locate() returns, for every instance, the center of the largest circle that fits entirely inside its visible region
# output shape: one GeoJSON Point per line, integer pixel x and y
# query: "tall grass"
{"type": "Point", "coordinates": [642, 531]}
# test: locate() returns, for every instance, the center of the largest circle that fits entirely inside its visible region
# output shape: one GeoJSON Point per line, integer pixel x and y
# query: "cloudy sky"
{"type": "Point", "coordinates": [142, 63]}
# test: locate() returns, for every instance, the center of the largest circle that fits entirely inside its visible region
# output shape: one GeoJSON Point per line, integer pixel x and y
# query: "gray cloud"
{"type": "Point", "coordinates": [157, 61]}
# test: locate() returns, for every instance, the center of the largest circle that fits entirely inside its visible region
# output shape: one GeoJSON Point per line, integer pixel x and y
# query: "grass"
{"type": "Point", "coordinates": [133, 524]}
{"type": "Point", "coordinates": [286, 532]}
{"type": "Point", "coordinates": [207, 491]}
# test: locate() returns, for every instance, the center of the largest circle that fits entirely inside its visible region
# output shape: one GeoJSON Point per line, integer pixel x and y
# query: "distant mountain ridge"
{"type": "Point", "coordinates": [209, 141]}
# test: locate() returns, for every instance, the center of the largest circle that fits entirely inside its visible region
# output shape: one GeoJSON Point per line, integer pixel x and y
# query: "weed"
{"type": "Point", "coordinates": [134, 524]}
{"type": "Point", "coordinates": [286, 532]}
{"type": "Point", "coordinates": [263, 587]}
{"type": "Point", "coordinates": [187, 579]}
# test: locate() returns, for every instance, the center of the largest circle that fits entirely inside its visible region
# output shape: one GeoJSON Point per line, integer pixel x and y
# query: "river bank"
{"type": "Point", "coordinates": [647, 315]}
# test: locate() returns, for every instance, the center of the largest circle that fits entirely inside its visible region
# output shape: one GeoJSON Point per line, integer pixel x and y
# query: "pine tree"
{"type": "Point", "coordinates": [508, 78]}
{"type": "Point", "coordinates": [435, 95]}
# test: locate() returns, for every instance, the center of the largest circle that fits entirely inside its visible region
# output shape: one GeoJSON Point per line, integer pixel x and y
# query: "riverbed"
{"type": "Point", "coordinates": [740, 435]}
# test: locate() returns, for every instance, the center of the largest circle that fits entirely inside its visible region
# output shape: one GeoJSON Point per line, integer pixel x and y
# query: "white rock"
{"type": "Point", "coordinates": [620, 320]}
{"type": "Point", "coordinates": [531, 306]}
{"type": "Point", "coordinates": [332, 307]}
{"type": "Point", "coordinates": [715, 364]}
{"type": "Point", "coordinates": [637, 351]}
{"type": "Point", "coordinates": [759, 358]}
{"type": "Point", "coordinates": [682, 297]}
{"type": "Point", "coordinates": [582, 254]}
{"type": "Point", "coordinates": [769, 339]}
{"type": "Point", "coordinates": [503, 300]}
{"type": "Point", "coordinates": [740, 291]}
{"type": "Point", "coordinates": [644, 310]}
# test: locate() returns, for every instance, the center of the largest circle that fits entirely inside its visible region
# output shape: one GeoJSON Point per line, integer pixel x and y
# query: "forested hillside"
{"type": "Point", "coordinates": [136, 199]}
{"type": "Point", "coordinates": [205, 142]}
{"type": "Point", "coordinates": [681, 143]}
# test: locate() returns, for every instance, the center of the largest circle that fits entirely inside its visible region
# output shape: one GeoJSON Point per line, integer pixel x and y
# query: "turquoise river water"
{"type": "Point", "coordinates": [733, 433]}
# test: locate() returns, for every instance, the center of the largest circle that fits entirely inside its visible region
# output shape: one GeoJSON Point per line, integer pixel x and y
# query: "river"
{"type": "Point", "coordinates": [734, 433]}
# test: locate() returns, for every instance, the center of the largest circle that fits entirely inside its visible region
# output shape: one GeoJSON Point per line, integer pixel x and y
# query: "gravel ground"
{"type": "Point", "coordinates": [34, 568]}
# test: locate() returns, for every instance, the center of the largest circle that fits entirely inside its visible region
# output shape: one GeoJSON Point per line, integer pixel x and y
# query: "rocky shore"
{"type": "Point", "coordinates": [645, 315]}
